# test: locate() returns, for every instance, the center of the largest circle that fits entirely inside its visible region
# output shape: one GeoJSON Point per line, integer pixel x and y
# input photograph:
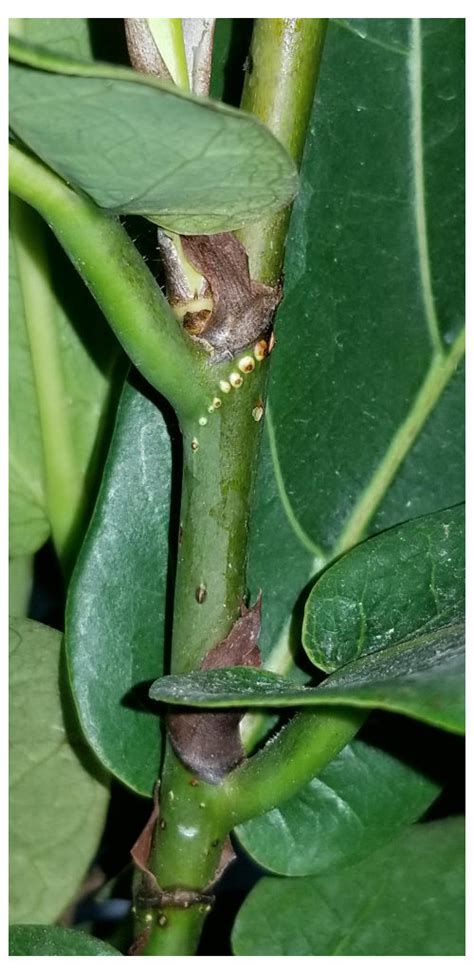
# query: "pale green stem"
{"type": "Point", "coordinates": [168, 36]}
{"type": "Point", "coordinates": [285, 57]}
{"type": "Point", "coordinates": [62, 474]}
{"type": "Point", "coordinates": [121, 283]}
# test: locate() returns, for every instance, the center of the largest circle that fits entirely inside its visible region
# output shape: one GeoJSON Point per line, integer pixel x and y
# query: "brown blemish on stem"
{"type": "Point", "coordinates": [209, 743]}
{"type": "Point", "coordinates": [243, 309]}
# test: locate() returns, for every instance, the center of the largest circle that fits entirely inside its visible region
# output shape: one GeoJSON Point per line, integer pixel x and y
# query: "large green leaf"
{"type": "Point", "coordinates": [400, 584]}
{"type": "Point", "coordinates": [409, 899]}
{"type": "Point", "coordinates": [358, 804]}
{"type": "Point", "coordinates": [137, 145]}
{"type": "Point", "coordinates": [57, 803]}
{"type": "Point", "coordinates": [423, 678]}
{"type": "Point", "coordinates": [365, 421]}
{"type": "Point", "coordinates": [30, 940]}
{"type": "Point", "coordinates": [115, 625]}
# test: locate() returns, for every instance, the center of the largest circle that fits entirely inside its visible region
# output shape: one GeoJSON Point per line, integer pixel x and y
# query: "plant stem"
{"type": "Point", "coordinates": [292, 758]}
{"type": "Point", "coordinates": [63, 478]}
{"type": "Point", "coordinates": [217, 491]}
{"type": "Point", "coordinates": [168, 36]}
{"type": "Point", "coordinates": [285, 57]}
{"type": "Point", "coordinates": [120, 281]}
{"type": "Point", "coordinates": [219, 461]}
{"type": "Point", "coordinates": [185, 855]}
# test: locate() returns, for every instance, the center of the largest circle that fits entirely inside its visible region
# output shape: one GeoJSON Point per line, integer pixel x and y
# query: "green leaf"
{"type": "Point", "coordinates": [66, 35]}
{"type": "Point", "coordinates": [137, 145]}
{"type": "Point", "coordinates": [57, 803]}
{"type": "Point", "coordinates": [117, 598]}
{"type": "Point", "coordinates": [404, 582]}
{"type": "Point", "coordinates": [423, 678]}
{"type": "Point", "coordinates": [364, 427]}
{"type": "Point", "coordinates": [30, 940]}
{"type": "Point", "coordinates": [409, 900]}
{"type": "Point", "coordinates": [359, 803]}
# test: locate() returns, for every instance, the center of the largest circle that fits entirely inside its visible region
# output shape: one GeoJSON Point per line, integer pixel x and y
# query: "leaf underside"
{"type": "Point", "coordinates": [423, 678]}
{"type": "Point", "coordinates": [57, 803]}
{"type": "Point", "coordinates": [137, 145]}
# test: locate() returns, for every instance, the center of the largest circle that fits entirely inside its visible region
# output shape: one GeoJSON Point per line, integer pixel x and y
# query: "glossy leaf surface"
{"type": "Point", "coordinates": [57, 803]}
{"type": "Point", "coordinates": [423, 678]}
{"type": "Point", "coordinates": [364, 427]}
{"type": "Point", "coordinates": [136, 145]}
{"type": "Point", "coordinates": [410, 900]}
{"type": "Point", "coordinates": [358, 804]}
{"type": "Point", "coordinates": [117, 598]}
{"type": "Point", "coordinates": [30, 940]}
{"type": "Point", "coordinates": [398, 585]}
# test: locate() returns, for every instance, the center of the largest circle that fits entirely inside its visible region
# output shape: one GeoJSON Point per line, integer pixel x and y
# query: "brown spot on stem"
{"type": "Point", "coordinates": [243, 309]}
{"type": "Point", "coordinates": [209, 743]}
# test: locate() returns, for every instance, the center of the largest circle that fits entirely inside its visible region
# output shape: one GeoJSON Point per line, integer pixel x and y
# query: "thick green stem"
{"type": "Point", "coordinates": [120, 281]}
{"type": "Point", "coordinates": [285, 57]}
{"type": "Point", "coordinates": [186, 853]}
{"type": "Point", "coordinates": [219, 460]}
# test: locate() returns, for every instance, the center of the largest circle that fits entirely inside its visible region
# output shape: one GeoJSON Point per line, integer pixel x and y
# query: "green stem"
{"type": "Point", "coordinates": [219, 461]}
{"type": "Point", "coordinates": [168, 36]}
{"type": "Point", "coordinates": [120, 281]}
{"type": "Point", "coordinates": [217, 490]}
{"type": "Point", "coordinates": [63, 480]}
{"type": "Point", "coordinates": [285, 57]}
{"type": "Point", "coordinates": [296, 755]}
{"type": "Point", "coordinates": [185, 855]}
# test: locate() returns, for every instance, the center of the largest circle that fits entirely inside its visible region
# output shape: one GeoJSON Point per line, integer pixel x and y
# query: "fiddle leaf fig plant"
{"type": "Point", "coordinates": [236, 408]}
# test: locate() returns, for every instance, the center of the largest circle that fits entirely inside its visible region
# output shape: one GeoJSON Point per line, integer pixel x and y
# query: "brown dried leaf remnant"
{"type": "Point", "coordinates": [208, 743]}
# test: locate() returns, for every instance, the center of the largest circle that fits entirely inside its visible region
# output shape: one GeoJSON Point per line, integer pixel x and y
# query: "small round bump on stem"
{"type": "Point", "coordinates": [247, 364]}
{"type": "Point", "coordinates": [261, 350]}
{"type": "Point", "coordinates": [224, 386]}
{"type": "Point", "coordinates": [202, 420]}
{"type": "Point", "coordinates": [194, 445]}
{"type": "Point", "coordinates": [217, 403]}
{"type": "Point", "coordinates": [235, 380]}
